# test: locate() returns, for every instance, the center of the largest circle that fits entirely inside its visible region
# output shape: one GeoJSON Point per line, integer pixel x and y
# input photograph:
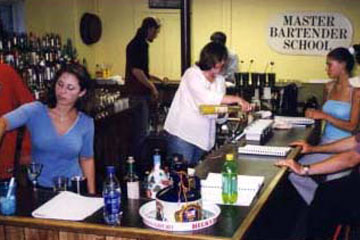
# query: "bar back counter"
{"type": "Point", "coordinates": [234, 222]}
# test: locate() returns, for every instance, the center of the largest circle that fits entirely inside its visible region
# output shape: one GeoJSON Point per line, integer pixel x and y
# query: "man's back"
{"type": "Point", "coordinates": [137, 56]}
{"type": "Point", "coordinates": [13, 93]}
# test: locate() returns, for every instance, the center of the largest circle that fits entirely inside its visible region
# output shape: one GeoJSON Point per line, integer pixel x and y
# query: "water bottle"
{"type": "Point", "coordinates": [229, 180]}
{"type": "Point", "coordinates": [112, 197]}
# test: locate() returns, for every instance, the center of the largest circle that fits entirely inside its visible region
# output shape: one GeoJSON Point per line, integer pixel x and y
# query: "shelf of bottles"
{"type": "Point", "coordinates": [36, 58]}
{"type": "Point", "coordinates": [106, 102]}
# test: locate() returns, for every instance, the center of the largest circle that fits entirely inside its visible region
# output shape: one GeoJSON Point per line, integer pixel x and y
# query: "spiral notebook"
{"type": "Point", "coordinates": [248, 188]}
{"type": "Point", "coordinates": [264, 150]}
{"type": "Point", "coordinates": [295, 120]}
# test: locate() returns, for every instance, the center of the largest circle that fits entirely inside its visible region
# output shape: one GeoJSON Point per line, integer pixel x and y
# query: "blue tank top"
{"type": "Point", "coordinates": [340, 110]}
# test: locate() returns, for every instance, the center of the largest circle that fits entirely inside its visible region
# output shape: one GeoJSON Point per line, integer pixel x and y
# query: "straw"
{"type": "Point", "coordinates": [266, 67]}
{"type": "Point", "coordinates": [11, 186]}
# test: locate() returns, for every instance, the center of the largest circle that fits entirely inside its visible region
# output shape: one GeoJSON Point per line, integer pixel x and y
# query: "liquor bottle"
{"type": "Point", "coordinates": [98, 71]}
{"type": "Point", "coordinates": [218, 109]}
{"type": "Point", "coordinates": [157, 178]}
{"type": "Point", "coordinates": [132, 180]}
{"type": "Point", "coordinates": [112, 197]}
{"type": "Point", "coordinates": [229, 180]}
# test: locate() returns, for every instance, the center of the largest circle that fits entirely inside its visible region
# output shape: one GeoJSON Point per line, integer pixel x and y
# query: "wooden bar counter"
{"type": "Point", "coordinates": [233, 222]}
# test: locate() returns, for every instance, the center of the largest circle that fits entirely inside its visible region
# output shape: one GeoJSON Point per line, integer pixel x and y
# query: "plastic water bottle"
{"type": "Point", "coordinates": [112, 197]}
{"type": "Point", "coordinates": [229, 180]}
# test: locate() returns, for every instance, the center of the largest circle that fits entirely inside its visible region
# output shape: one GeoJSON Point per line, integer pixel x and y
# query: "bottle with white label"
{"type": "Point", "coordinates": [132, 180]}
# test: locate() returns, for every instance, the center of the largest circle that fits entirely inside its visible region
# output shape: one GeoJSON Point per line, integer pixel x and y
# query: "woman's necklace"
{"type": "Point", "coordinates": [63, 117]}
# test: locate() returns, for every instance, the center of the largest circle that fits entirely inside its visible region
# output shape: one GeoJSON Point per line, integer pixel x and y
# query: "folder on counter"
{"type": "Point", "coordinates": [248, 187]}
{"type": "Point", "coordinates": [68, 206]}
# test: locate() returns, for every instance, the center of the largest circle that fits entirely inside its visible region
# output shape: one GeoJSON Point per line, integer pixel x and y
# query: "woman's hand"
{"type": "Point", "coordinates": [315, 114]}
{"type": "Point", "coordinates": [246, 107]}
{"type": "Point", "coordinates": [290, 163]}
{"type": "Point", "coordinates": [305, 147]}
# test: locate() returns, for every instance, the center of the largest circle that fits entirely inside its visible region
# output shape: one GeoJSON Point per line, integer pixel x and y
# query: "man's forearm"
{"type": "Point", "coordinates": [3, 126]}
{"type": "Point", "coordinates": [335, 163]}
{"type": "Point", "coordinates": [342, 145]}
{"type": "Point", "coordinates": [143, 79]}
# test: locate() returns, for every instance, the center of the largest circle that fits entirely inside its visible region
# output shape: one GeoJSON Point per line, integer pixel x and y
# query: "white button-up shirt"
{"type": "Point", "coordinates": [184, 119]}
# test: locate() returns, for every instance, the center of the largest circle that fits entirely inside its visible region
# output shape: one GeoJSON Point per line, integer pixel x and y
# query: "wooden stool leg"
{"type": "Point", "coordinates": [347, 232]}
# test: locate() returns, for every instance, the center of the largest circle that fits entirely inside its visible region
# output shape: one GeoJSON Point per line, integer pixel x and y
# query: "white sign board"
{"type": "Point", "coordinates": [309, 33]}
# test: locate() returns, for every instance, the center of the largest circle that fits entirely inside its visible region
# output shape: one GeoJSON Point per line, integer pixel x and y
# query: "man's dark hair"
{"type": "Point", "coordinates": [211, 54]}
{"type": "Point", "coordinates": [83, 77]}
{"type": "Point", "coordinates": [219, 37]}
{"type": "Point", "coordinates": [357, 52]}
{"type": "Point", "coordinates": [147, 23]}
{"type": "Point", "coordinates": [343, 55]}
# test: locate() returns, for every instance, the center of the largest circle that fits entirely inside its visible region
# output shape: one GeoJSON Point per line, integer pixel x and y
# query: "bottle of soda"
{"type": "Point", "coordinates": [132, 180]}
{"type": "Point", "coordinates": [229, 180]}
{"type": "Point", "coordinates": [112, 197]}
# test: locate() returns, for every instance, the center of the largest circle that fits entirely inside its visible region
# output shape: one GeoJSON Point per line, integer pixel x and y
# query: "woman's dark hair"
{"type": "Point", "coordinates": [343, 55]}
{"type": "Point", "coordinates": [83, 77]}
{"type": "Point", "coordinates": [219, 37]}
{"type": "Point", "coordinates": [147, 23]}
{"type": "Point", "coordinates": [212, 54]}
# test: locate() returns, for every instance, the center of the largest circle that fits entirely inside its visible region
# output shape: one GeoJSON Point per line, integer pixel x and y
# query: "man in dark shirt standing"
{"type": "Point", "coordinates": [137, 78]}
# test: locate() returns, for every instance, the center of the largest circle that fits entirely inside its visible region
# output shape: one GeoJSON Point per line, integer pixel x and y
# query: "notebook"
{"type": "Point", "coordinates": [68, 206]}
{"type": "Point", "coordinates": [248, 188]}
{"type": "Point", "coordinates": [264, 150]}
{"type": "Point", "coordinates": [295, 120]}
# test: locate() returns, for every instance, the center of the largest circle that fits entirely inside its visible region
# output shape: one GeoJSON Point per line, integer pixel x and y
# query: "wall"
{"type": "Point", "coordinates": [63, 17]}
{"type": "Point", "coordinates": [244, 21]}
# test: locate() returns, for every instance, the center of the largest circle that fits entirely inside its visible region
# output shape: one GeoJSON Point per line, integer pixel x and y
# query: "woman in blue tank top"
{"type": "Point", "coordinates": [340, 112]}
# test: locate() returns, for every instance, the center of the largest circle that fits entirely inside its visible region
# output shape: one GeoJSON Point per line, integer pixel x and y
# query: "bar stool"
{"type": "Point", "coordinates": [338, 231]}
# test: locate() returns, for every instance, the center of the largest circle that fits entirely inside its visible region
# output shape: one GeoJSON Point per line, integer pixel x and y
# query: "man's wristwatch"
{"type": "Point", "coordinates": [305, 169]}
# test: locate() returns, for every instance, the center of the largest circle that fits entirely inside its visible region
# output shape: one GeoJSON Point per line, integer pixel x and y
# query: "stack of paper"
{"type": "Point", "coordinates": [68, 206]}
{"type": "Point", "coordinates": [248, 187]}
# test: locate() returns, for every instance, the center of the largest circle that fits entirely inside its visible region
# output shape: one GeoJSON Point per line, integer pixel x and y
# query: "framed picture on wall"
{"type": "Point", "coordinates": [174, 4]}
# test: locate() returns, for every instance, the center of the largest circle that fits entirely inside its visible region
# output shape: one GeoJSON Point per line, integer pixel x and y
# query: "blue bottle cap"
{"type": "Point", "coordinates": [110, 169]}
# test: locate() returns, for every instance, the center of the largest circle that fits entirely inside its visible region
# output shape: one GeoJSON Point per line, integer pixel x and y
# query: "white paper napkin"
{"type": "Point", "coordinates": [68, 206]}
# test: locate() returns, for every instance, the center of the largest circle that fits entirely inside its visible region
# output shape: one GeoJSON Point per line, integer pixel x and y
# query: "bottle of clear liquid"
{"type": "Point", "coordinates": [229, 180]}
{"type": "Point", "coordinates": [132, 180]}
{"type": "Point", "coordinates": [112, 197]}
{"type": "Point", "coordinates": [218, 109]}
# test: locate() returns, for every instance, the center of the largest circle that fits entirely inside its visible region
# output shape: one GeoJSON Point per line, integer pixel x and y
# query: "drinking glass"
{"type": "Point", "coordinates": [33, 171]}
{"type": "Point", "coordinates": [234, 122]}
{"type": "Point", "coordinates": [233, 126]}
{"type": "Point", "coordinates": [60, 183]}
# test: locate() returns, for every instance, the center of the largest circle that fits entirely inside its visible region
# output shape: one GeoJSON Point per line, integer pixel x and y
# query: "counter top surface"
{"type": "Point", "coordinates": [232, 223]}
